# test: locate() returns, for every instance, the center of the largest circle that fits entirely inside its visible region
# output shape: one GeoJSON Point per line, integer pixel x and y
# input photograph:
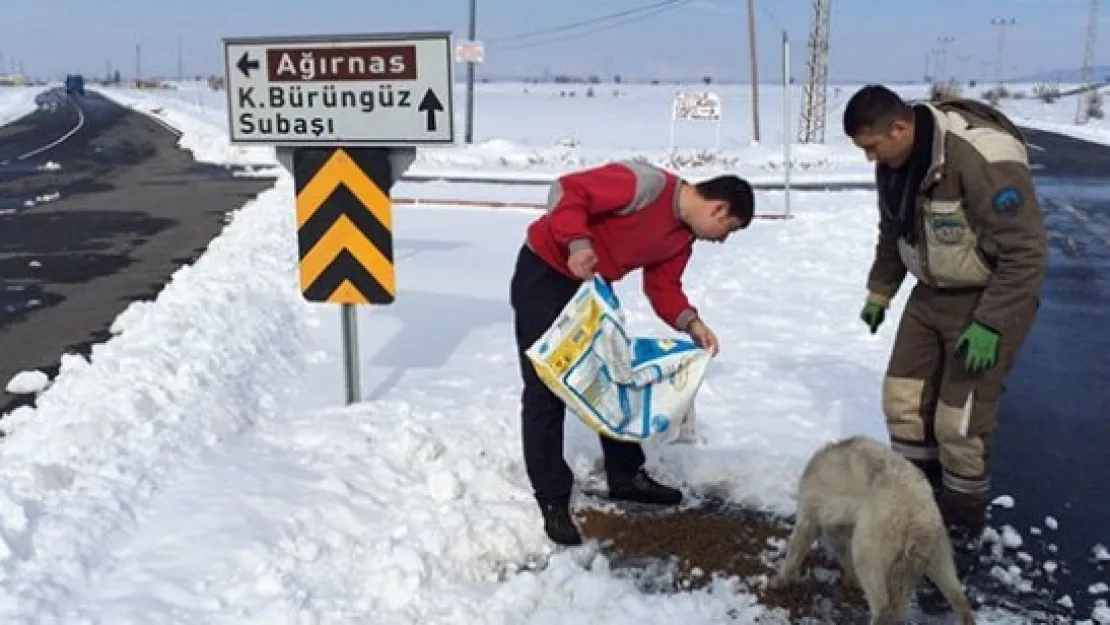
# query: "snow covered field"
{"type": "Point", "coordinates": [536, 131]}
{"type": "Point", "coordinates": [15, 102]}
{"type": "Point", "coordinates": [201, 467]}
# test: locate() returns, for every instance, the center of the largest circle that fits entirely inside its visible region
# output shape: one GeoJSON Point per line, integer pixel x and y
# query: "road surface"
{"type": "Point", "coordinates": [98, 207]}
{"type": "Point", "coordinates": [1052, 449]}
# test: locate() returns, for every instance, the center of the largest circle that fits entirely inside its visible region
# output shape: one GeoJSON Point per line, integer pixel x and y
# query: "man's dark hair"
{"type": "Point", "coordinates": [873, 109]}
{"type": "Point", "coordinates": [734, 190]}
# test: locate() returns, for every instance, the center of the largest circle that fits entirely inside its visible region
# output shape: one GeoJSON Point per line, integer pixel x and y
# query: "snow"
{"type": "Point", "coordinates": [16, 101]}
{"type": "Point", "coordinates": [534, 132]}
{"type": "Point", "coordinates": [1058, 116]}
{"type": "Point", "coordinates": [1010, 537]}
{"type": "Point", "coordinates": [27, 382]}
{"type": "Point", "coordinates": [201, 465]}
{"type": "Point", "coordinates": [1101, 614]}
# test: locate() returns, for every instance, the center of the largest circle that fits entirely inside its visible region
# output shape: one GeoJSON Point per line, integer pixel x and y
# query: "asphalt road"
{"type": "Point", "coordinates": [98, 207]}
{"type": "Point", "coordinates": [1052, 449]}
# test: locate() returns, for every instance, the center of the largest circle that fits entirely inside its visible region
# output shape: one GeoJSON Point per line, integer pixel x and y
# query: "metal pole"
{"type": "Point", "coordinates": [755, 72]}
{"type": "Point", "coordinates": [473, 34]}
{"type": "Point", "coordinates": [786, 137]}
{"type": "Point", "coordinates": [350, 354]}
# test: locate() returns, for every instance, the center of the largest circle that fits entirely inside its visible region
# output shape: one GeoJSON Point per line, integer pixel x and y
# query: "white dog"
{"type": "Point", "coordinates": [877, 511]}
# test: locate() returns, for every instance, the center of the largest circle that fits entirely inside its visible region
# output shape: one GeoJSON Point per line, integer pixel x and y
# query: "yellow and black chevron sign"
{"type": "Point", "coordinates": [344, 225]}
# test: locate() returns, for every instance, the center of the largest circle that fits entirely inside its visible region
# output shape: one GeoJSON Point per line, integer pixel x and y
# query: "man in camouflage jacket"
{"type": "Point", "coordinates": [958, 211]}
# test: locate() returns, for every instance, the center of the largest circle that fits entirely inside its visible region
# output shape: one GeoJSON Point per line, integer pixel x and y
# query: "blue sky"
{"type": "Point", "coordinates": [871, 39]}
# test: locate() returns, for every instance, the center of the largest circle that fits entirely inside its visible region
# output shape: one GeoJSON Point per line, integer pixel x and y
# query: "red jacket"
{"type": "Point", "coordinates": [628, 212]}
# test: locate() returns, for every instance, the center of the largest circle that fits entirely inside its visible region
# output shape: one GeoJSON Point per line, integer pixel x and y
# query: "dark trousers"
{"type": "Point", "coordinates": [538, 294]}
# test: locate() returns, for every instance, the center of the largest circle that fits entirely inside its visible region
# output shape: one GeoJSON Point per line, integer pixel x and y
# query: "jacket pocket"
{"type": "Point", "coordinates": [952, 248]}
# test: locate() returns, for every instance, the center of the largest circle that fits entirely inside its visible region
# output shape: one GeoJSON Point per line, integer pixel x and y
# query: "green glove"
{"type": "Point", "coordinates": [873, 315]}
{"type": "Point", "coordinates": [978, 347]}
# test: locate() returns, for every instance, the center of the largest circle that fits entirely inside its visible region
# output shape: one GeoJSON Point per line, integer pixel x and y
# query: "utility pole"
{"type": "Point", "coordinates": [786, 162]}
{"type": "Point", "coordinates": [180, 62]}
{"type": "Point", "coordinates": [473, 35]}
{"type": "Point", "coordinates": [1001, 23]}
{"type": "Point", "coordinates": [138, 65]}
{"type": "Point", "coordinates": [942, 60]}
{"type": "Point", "coordinates": [755, 72]}
{"type": "Point", "coordinates": [1087, 98]}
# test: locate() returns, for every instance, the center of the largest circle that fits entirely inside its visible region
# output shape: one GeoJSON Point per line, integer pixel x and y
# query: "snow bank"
{"type": "Point", "coordinates": [203, 129]}
{"type": "Point", "coordinates": [208, 357]}
{"type": "Point", "coordinates": [15, 102]}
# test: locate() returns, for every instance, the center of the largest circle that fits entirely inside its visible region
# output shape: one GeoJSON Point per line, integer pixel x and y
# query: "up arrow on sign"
{"type": "Point", "coordinates": [431, 105]}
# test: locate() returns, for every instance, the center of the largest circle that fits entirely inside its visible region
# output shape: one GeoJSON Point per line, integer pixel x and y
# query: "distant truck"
{"type": "Point", "coordinates": [75, 84]}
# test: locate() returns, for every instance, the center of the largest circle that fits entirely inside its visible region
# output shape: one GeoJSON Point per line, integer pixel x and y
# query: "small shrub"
{"type": "Point", "coordinates": [995, 94]}
{"type": "Point", "coordinates": [940, 91]}
{"type": "Point", "coordinates": [1047, 94]}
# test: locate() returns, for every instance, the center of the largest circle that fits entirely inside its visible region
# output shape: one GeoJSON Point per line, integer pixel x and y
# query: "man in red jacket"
{"type": "Point", "coordinates": [610, 220]}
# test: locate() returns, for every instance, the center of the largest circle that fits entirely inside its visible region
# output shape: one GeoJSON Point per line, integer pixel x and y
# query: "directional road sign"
{"type": "Point", "coordinates": [391, 89]}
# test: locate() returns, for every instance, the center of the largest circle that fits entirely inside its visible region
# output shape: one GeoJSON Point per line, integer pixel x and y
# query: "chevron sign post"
{"type": "Point", "coordinates": [345, 114]}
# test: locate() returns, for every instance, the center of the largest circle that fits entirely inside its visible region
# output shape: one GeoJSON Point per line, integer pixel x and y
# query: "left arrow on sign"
{"type": "Point", "coordinates": [246, 64]}
{"type": "Point", "coordinates": [431, 105]}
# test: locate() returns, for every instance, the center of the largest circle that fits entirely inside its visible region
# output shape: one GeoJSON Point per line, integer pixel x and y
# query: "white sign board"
{"type": "Point", "coordinates": [696, 106]}
{"type": "Point", "coordinates": [357, 90]}
{"type": "Point", "coordinates": [469, 52]}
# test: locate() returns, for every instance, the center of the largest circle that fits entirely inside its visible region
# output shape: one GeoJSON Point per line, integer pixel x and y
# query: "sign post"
{"type": "Point", "coordinates": [696, 106]}
{"type": "Point", "coordinates": [345, 114]}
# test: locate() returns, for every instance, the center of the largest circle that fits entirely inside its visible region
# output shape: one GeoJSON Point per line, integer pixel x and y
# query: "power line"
{"type": "Point", "coordinates": [770, 16]}
{"type": "Point", "coordinates": [672, 4]}
{"type": "Point", "coordinates": [652, 8]}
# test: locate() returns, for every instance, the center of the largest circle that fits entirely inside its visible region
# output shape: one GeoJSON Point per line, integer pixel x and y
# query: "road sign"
{"type": "Point", "coordinates": [696, 106]}
{"type": "Point", "coordinates": [344, 225]}
{"type": "Point", "coordinates": [469, 52]}
{"type": "Point", "coordinates": [390, 89]}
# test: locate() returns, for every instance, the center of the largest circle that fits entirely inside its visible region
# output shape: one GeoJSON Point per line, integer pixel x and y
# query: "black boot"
{"type": "Point", "coordinates": [965, 516]}
{"type": "Point", "coordinates": [639, 487]}
{"type": "Point", "coordinates": [558, 524]}
{"type": "Point", "coordinates": [929, 599]}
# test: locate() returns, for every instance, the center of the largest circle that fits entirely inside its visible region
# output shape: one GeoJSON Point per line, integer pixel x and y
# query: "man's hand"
{"type": "Point", "coordinates": [703, 336]}
{"type": "Point", "coordinates": [978, 347]}
{"type": "Point", "coordinates": [582, 263]}
{"type": "Point", "coordinates": [872, 315]}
